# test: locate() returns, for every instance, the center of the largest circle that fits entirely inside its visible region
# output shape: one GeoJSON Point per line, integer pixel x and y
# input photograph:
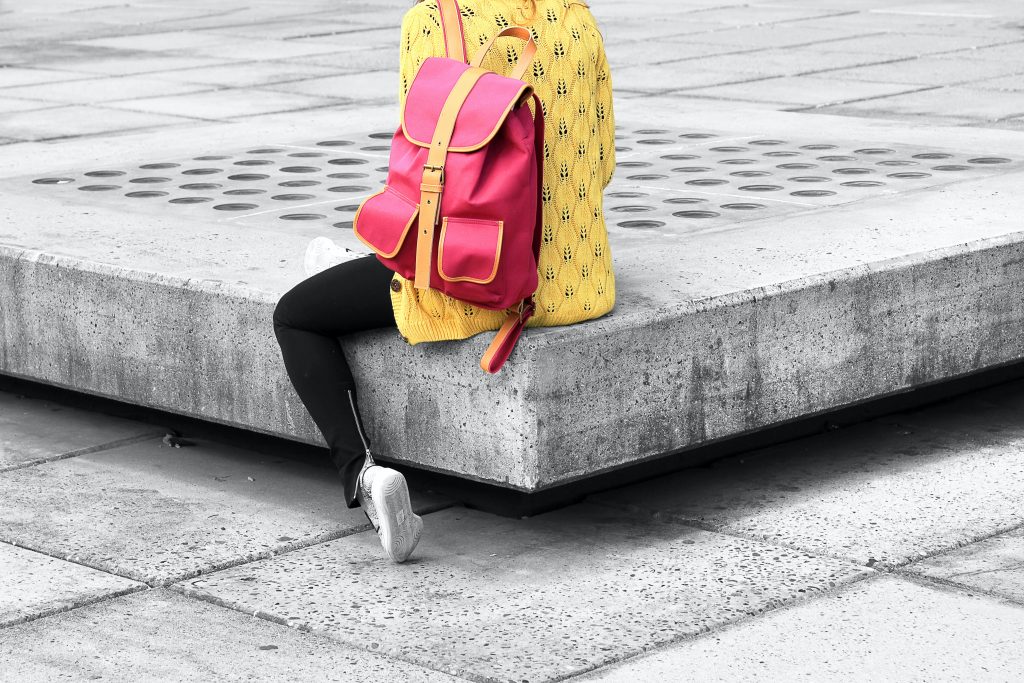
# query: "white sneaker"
{"type": "Point", "coordinates": [322, 253]}
{"type": "Point", "coordinates": [385, 500]}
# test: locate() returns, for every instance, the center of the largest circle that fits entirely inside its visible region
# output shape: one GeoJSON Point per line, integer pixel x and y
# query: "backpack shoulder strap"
{"type": "Point", "coordinates": [451, 26]}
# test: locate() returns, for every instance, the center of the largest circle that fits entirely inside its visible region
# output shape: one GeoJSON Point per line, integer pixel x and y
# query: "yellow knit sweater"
{"type": "Point", "coordinates": [570, 74]}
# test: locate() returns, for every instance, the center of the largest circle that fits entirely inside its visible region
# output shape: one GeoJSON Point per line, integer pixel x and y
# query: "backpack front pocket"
{"type": "Point", "coordinates": [469, 250]}
{"type": "Point", "coordinates": [383, 221]}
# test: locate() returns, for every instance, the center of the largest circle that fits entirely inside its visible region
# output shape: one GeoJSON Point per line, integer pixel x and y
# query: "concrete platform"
{"type": "Point", "coordinates": [817, 262]}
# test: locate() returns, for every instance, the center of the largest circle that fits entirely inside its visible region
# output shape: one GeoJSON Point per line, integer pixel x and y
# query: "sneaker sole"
{"type": "Point", "coordinates": [400, 529]}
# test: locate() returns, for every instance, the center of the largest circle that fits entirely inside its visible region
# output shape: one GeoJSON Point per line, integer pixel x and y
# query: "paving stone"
{"type": "Point", "coordinates": [489, 597]}
{"type": "Point", "coordinates": [951, 101]}
{"type": "Point", "coordinates": [11, 104]}
{"type": "Point", "coordinates": [884, 629]}
{"type": "Point", "coordinates": [224, 104]}
{"type": "Point", "coordinates": [806, 90]}
{"type": "Point", "coordinates": [159, 635]}
{"type": "Point", "coordinates": [138, 64]}
{"type": "Point", "coordinates": [34, 585]}
{"type": "Point", "coordinates": [378, 85]}
{"type": "Point", "coordinates": [90, 90]}
{"type": "Point", "coordinates": [11, 76]}
{"type": "Point", "coordinates": [906, 44]}
{"type": "Point", "coordinates": [33, 431]}
{"type": "Point", "coordinates": [1014, 83]}
{"type": "Point", "coordinates": [784, 61]}
{"type": "Point", "coordinates": [246, 74]}
{"type": "Point", "coordinates": [879, 492]}
{"type": "Point", "coordinates": [926, 71]}
{"type": "Point", "coordinates": [70, 121]}
{"type": "Point", "coordinates": [994, 565]}
{"type": "Point", "coordinates": [157, 514]}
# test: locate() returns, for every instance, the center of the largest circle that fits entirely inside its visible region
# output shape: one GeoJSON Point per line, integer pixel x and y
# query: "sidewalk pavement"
{"type": "Point", "coordinates": [890, 549]}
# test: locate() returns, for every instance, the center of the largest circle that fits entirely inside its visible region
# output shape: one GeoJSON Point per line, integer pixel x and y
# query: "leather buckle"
{"type": "Point", "coordinates": [436, 167]}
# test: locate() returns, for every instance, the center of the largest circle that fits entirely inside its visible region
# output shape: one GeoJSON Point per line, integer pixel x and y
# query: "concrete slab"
{"type": "Point", "coordinates": [811, 326]}
{"type": "Point", "coordinates": [884, 629]}
{"type": "Point", "coordinates": [881, 493]}
{"type": "Point", "coordinates": [494, 598]}
{"type": "Point", "coordinates": [33, 585]}
{"type": "Point", "coordinates": [34, 431]}
{"type": "Point", "coordinates": [951, 101]}
{"type": "Point", "coordinates": [994, 565]}
{"type": "Point", "coordinates": [90, 90]}
{"type": "Point", "coordinates": [159, 514]}
{"type": "Point", "coordinates": [224, 104]}
{"type": "Point", "coordinates": [160, 635]}
{"type": "Point", "coordinates": [806, 90]}
{"type": "Point", "coordinates": [60, 122]}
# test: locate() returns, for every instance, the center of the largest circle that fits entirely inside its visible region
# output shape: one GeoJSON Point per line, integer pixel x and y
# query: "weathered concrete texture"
{"type": "Point", "coordinates": [495, 598]}
{"type": "Point", "coordinates": [33, 431]}
{"type": "Point", "coordinates": [158, 514]}
{"type": "Point", "coordinates": [34, 585]}
{"type": "Point", "coordinates": [884, 629]}
{"type": "Point", "coordinates": [881, 492]}
{"type": "Point", "coordinates": [994, 565]}
{"type": "Point", "coordinates": [184, 640]}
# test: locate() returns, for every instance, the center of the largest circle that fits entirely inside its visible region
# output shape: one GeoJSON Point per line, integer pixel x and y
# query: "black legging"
{"type": "Point", "coordinates": [309, 318]}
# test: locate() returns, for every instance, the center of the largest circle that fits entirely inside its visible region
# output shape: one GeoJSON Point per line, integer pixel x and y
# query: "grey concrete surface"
{"type": "Point", "coordinates": [538, 599]}
{"type": "Point", "coordinates": [159, 635]}
{"type": "Point", "coordinates": [33, 585]}
{"type": "Point", "coordinates": [994, 565]}
{"type": "Point", "coordinates": [34, 431]}
{"type": "Point", "coordinates": [882, 493]}
{"type": "Point", "coordinates": [159, 514]}
{"type": "Point", "coordinates": [884, 629]}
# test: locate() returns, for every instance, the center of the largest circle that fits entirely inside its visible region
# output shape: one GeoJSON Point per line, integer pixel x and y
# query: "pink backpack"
{"type": "Point", "coordinates": [461, 210]}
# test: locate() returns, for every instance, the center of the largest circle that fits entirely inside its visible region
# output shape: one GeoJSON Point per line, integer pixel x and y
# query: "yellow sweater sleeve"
{"type": "Point", "coordinates": [605, 116]}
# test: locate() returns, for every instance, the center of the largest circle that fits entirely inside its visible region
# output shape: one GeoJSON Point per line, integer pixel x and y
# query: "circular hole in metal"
{"type": "Point", "coordinates": [897, 162]}
{"type": "Point", "coordinates": [248, 176]}
{"type": "Point", "coordinates": [347, 207]}
{"type": "Point", "coordinates": [691, 169]}
{"type": "Point", "coordinates": [742, 206]}
{"type": "Point", "coordinates": [348, 188]}
{"type": "Point", "coordinates": [626, 195]}
{"type": "Point", "coordinates": [729, 149]}
{"type": "Point", "coordinates": [235, 207]}
{"type": "Point", "coordinates": [632, 208]}
{"type": "Point", "coordinates": [812, 193]}
{"type": "Point", "coordinates": [383, 135]}
{"type": "Point", "coordinates": [738, 162]}
{"type": "Point", "coordinates": [200, 186]}
{"type": "Point", "coordinates": [905, 175]}
{"type": "Point", "coordinates": [818, 147]}
{"type": "Point", "coordinates": [348, 175]}
{"type": "Point", "coordinates": [154, 167]}
{"type": "Point", "coordinates": [862, 183]}
{"type": "Point", "coordinates": [299, 183]}
{"type": "Point", "coordinates": [190, 200]}
{"type": "Point", "coordinates": [291, 197]}
{"type": "Point", "coordinates": [704, 182]}
{"type": "Point", "coordinates": [697, 136]}
{"type": "Point", "coordinates": [767, 142]}
{"type": "Point", "coordinates": [302, 216]}
{"type": "Point", "coordinates": [836, 157]}
{"type": "Point", "coordinates": [874, 150]}
{"type": "Point", "coordinates": [202, 171]}
{"type": "Point", "coordinates": [254, 162]}
{"type": "Point", "coordinates": [696, 214]}
{"type": "Point", "coordinates": [104, 174]}
{"type": "Point", "coordinates": [300, 169]}
{"type": "Point", "coordinates": [641, 225]}
{"type": "Point", "coordinates": [347, 161]}
{"type": "Point", "coordinates": [781, 153]}
{"type": "Point", "coordinates": [377, 148]}
{"type": "Point", "coordinates": [679, 157]}
{"type": "Point", "coordinates": [651, 131]}
{"type": "Point", "coordinates": [647, 176]}
{"type": "Point", "coordinates": [211, 157]}
{"type": "Point", "coordinates": [623, 149]}
{"type": "Point", "coordinates": [382, 169]}
{"type": "Point", "coordinates": [98, 188]}
{"type": "Point", "coordinates": [344, 225]}
{"type": "Point", "coordinates": [264, 150]}
{"type": "Point", "coordinates": [760, 188]}
{"type": "Point", "coordinates": [53, 181]}
{"type": "Point", "coordinates": [307, 155]}
{"type": "Point", "coordinates": [654, 141]}
{"type": "Point", "coordinates": [144, 194]}
{"type": "Point", "coordinates": [685, 200]}
{"type": "Point", "coordinates": [988, 160]}
{"type": "Point", "coordinates": [932, 155]}
{"type": "Point", "coordinates": [244, 191]}
{"type": "Point", "coordinates": [150, 179]}
{"type": "Point", "coordinates": [334, 143]}
{"type": "Point", "coordinates": [795, 166]}
{"type": "Point", "coordinates": [852, 171]}
{"type": "Point", "coordinates": [633, 164]}
{"type": "Point", "coordinates": [750, 174]}
{"type": "Point", "coordinates": [951, 167]}
{"type": "Point", "coordinates": [810, 179]}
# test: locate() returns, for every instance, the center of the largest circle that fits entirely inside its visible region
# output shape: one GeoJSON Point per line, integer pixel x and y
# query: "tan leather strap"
{"type": "Point", "coordinates": [525, 58]}
{"type": "Point", "coordinates": [432, 185]}
{"type": "Point", "coordinates": [501, 347]}
{"type": "Point", "coordinates": [451, 26]}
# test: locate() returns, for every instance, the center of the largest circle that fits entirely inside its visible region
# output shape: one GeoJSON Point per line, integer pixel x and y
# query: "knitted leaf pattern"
{"type": "Point", "coordinates": [570, 74]}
